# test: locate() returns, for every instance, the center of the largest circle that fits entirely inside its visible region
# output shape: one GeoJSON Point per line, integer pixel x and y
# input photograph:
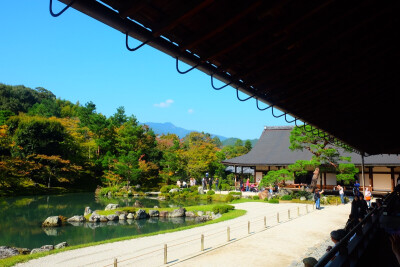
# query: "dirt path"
{"type": "Point", "coordinates": [278, 245]}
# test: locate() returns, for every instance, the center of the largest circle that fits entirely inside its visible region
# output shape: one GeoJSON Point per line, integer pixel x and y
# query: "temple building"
{"type": "Point", "coordinates": [272, 152]}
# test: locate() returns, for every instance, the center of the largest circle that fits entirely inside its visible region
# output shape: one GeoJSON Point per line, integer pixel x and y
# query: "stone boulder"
{"type": "Point", "coordinates": [112, 206]}
{"type": "Point", "coordinates": [164, 213]}
{"type": "Point", "coordinates": [122, 217]}
{"type": "Point", "coordinates": [23, 251]}
{"type": "Point", "coordinates": [130, 216]}
{"type": "Point", "coordinates": [6, 252]}
{"type": "Point", "coordinates": [200, 213]}
{"type": "Point", "coordinates": [61, 245]}
{"type": "Point", "coordinates": [155, 207]}
{"type": "Point", "coordinates": [103, 218]}
{"type": "Point", "coordinates": [263, 194]}
{"type": "Point", "coordinates": [303, 198]}
{"type": "Point", "coordinates": [49, 247]}
{"type": "Point", "coordinates": [154, 213]}
{"type": "Point", "coordinates": [178, 213]}
{"type": "Point", "coordinates": [112, 217]}
{"type": "Point", "coordinates": [138, 204]}
{"type": "Point", "coordinates": [37, 250]}
{"type": "Point", "coordinates": [174, 190]}
{"type": "Point", "coordinates": [284, 192]}
{"type": "Point", "coordinates": [87, 211]}
{"type": "Point", "coordinates": [141, 214]}
{"type": "Point", "coordinates": [162, 198]}
{"type": "Point", "coordinates": [200, 190]}
{"type": "Point", "coordinates": [52, 221]}
{"type": "Point", "coordinates": [76, 218]}
{"type": "Point", "coordinates": [94, 218]}
{"type": "Point", "coordinates": [50, 231]}
{"type": "Point", "coordinates": [203, 218]}
{"type": "Point", "coordinates": [190, 214]}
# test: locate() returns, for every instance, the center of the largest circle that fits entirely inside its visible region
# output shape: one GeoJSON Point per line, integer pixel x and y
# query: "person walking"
{"type": "Point", "coordinates": [356, 188]}
{"type": "Point", "coordinates": [317, 198]}
{"type": "Point", "coordinates": [368, 195]}
{"type": "Point", "coordinates": [211, 183]}
{"type": "Point", "coordinates": [203, 181]}
{"type": "Point", "coordinates": [247, 185]}
{"type": "Point", "coordinates": [217, 185]}
{"type": "Point", "coordinates": [241, 184]}
{"type": "Point", "coordinates": [341, 193]}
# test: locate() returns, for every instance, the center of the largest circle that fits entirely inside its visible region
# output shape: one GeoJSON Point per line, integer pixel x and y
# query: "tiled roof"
{"type": "Point", "coordinates": [273, 149]}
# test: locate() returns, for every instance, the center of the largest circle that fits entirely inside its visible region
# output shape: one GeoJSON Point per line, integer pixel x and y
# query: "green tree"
{"type": "Point", "coordinates": [248, 145]}
{"type": "Point", "coordinates": [275, 177]}
{"type": "Point", "coordinates": [325, 156]}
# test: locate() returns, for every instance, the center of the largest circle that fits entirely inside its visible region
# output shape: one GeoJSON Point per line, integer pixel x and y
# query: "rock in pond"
{"type": "Point", "coordinates": [76, 218]}
{"type": "Point", "coordinates": [203, 218]}
{"type": "Point", "coordinates": [163, 213]}
{"type": "Point", "coordinates": [103, 218]}
{"type": "Point", "coordinates": [112, 206]}
{"type": "Point", "coordinates": [122, 217]}
{"type": "Point", "coordinates": [94, 218]}
{"type": "Point", "coordinates": [130, 216]}
{"type": "Point", "coordinates": [154, 213]}
{"type": "Point", "coordinates": [141, 214]}
{"type": "Point", "coordinates": [6, 252]}
{"type": "Point", "coordinates": [87, 211]}
{"type": "Point", "coordinates": [49, 247]}
{"type": "Point", "coordinates": [112, 217]}
{"type": "Point", "coordinates": [52, 221]}
{"type": "Point", "coordinates": [61, 245]}
{"type": "Point", "coordinates": [178, 213]}
{"type": "Point", "coordinates": [200, 213]}
{"type": "Point", "coordinates": [190, 214]}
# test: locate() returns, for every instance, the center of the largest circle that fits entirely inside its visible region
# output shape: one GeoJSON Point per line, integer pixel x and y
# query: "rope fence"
{"type": "Point", "coordinates": [240, 230]}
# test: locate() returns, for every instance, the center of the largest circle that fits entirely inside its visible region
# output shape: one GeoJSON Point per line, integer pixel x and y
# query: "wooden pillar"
{"type": "Point", "coordinates": [371, 177]}
{"type": "Point", "coordinates": [320, 180]}
{"type": "Point", "coordinates": [235, 177]}
{"type": "Point", "coordinates": [325, 179]}
{"type": "Point", "coordinates": [392, 176]}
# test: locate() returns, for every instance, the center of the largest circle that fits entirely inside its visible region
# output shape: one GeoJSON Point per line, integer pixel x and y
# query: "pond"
{"type": "Point", "coordinates": [21, 219]}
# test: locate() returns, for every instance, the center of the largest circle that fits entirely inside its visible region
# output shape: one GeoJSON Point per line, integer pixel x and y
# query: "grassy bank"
{"type": "Point", "coordinates": [226, 216]}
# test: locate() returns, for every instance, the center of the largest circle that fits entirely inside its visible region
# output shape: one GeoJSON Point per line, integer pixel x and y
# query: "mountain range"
{"type": "Point", "coordinates": [168, 127]}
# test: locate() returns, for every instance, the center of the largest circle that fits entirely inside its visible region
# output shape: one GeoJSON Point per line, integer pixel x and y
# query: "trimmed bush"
{"type": "Point", "coordinates": [286, 197]}
{"type": "Point", "coordinates": [256, 197]}
{"type": "Point", "coordinates": [166, 188]}
{"type": "Point", "coordinates": [235, 193]}
{"type": "Point", "coordinates": [273, 201]}
{"type": "Point", "coordinates": [225, 187]}
{"type": "Point", "coordinates": [229, 198]}
{"type": "Point", "coordinates": [210, 192]}
{"type": "Point", "coordinates": [222, 209]}
{"type": "Point", "coordinates": [194, 188]}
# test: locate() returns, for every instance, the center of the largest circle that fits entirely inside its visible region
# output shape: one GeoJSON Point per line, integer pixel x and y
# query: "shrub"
{"type": "Point", "coordinates": [225, 187]}
{"type": "Point", "coordinates": [222, 208]}
{"type": "Point", "coordinates": [210, 192]}
{"type": "Point", "coordinates": [209, 198]}
{"type": "Point", "coordinates": [286, 197]}
{"type": "Point", "coordinates": [166, 188]}
{"type": "Point", "coordinates": [194, 188]}
{"type": "Point", "coordinates": [229, 198]}
{"type": "Point", "coordinates": [235, 193]}
{"type": "Point", "coordinates": [256, 197]}
{"type": "Point", "coordinates": [273, 201]}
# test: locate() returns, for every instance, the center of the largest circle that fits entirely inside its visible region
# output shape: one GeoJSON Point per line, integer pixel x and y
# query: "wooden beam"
{"type": "Point", "coordinates": [371, 177]}
{"type": "Point", "coordinates": [222, 27]}
{"type": "Point", "coordinates": [392, 177]}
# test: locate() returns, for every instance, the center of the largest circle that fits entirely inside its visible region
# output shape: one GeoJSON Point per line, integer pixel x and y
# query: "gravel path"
{"type": "Point", "coordinates": [281, 244]}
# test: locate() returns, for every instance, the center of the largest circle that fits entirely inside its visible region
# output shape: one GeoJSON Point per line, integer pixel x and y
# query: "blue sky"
{"type": "Point", "coordinates": [81, 59]}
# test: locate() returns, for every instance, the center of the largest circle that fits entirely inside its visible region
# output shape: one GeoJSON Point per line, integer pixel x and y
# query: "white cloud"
{"type": "Point", "coordinates": [165, 104]}
{"type": "Point", "coordinates": [190, 111]}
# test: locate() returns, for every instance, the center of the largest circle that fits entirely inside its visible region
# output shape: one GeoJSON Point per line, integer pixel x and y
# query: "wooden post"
{"type": "Point", "coordinates": [277, 216]}
{"type": "Point", "coordinates": [165, 254]}
{"type": "Point", "coordinates": [228, 232]}
{"type": "Point", "coordinates": [265, 222]}
{"type": "Point", "coordinates": [288, 214]}
{"type": "Point", "coordinates": [248, 227]}
{"type": "Point", "coordinates": [202, 242]}
{"type": "Point", "coordinates": [298, 211]}
{"type": "Point", "coordinates": [115, 262]}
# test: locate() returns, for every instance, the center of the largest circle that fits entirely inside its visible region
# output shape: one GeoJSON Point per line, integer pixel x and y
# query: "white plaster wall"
{"type": "Point", "coordinates": [382, 182]}
{"type": "Point", "coordinates": [289, 182]}
{"type": "Point", "coordinates": [331, 179]}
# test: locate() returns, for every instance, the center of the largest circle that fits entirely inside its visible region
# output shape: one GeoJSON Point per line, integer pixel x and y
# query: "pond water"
{"type": "Point", "coordinates": [21, 219]}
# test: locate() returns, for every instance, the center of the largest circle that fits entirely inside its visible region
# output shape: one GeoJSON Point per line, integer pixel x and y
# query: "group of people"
{"type": "Point", "coordinates": [209, 182]}
{"type": "Point", "coordinates": [248, 186]}
{"type": "Point", "coordinates": [184, 184]}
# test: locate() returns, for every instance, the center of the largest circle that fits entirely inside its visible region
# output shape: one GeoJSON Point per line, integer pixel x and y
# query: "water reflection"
{"type": "Point", "coordinates": [21, 219]}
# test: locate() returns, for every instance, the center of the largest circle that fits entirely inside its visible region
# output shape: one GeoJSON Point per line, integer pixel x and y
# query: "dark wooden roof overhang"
{"type": "Point", "coordinates": [332, 64]}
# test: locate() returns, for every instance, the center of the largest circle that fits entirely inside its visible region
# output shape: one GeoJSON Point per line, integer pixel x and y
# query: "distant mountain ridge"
{"type": "Point", "coordinates": [168, 127]}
